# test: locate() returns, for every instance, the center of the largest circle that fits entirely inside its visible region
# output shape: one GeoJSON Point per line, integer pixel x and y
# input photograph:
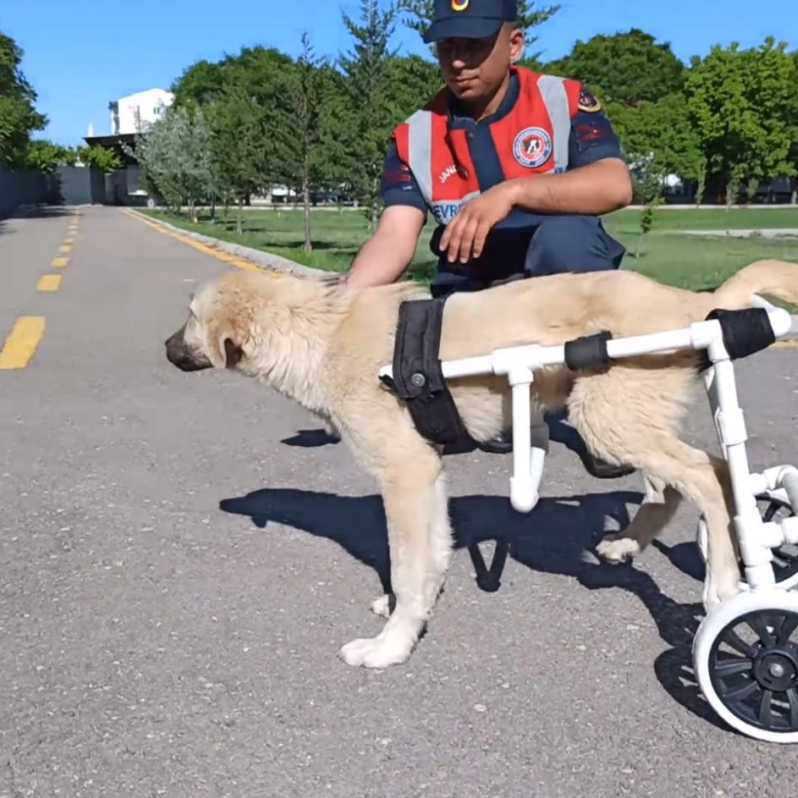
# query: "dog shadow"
{"type": "Point", "coordinates": [311, 439]}
{"type": "Point", "coordinates": [557, 537]}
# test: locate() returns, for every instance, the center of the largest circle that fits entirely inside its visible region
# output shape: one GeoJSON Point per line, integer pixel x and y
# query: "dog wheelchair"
{"type": "Point", "coordinates": [745, 652]}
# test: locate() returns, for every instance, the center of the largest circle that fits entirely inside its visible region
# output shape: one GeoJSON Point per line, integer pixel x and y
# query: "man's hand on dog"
{"type": "Point", "coordinates": [464, 237]}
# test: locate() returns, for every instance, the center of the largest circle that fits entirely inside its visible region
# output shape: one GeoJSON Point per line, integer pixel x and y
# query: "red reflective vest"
{"type": "Point", "coordinates": [531, 139]}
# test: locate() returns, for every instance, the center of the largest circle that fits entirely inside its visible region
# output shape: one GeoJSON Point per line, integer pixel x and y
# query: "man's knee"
{"type": "Point", "coordinates": [572, 244]}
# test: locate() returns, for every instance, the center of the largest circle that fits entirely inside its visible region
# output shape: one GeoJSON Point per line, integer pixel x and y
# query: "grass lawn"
{"type": "Point", "coordinates": [693, 262]}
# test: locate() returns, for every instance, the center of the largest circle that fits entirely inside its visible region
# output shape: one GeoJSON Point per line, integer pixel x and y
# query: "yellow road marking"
{"type": "Point", "coordinates": [219, 254]}
{"type": "Point", "coordinates": [64, 248]}
{"type": "Point", "coordinates": [246, 265]}
{"type": "Point", "coordinates": [22, 342]}
{"type": "Point", "coordinates": [59, 263]}
{"type": "Point", "coordinates": [49, 282]}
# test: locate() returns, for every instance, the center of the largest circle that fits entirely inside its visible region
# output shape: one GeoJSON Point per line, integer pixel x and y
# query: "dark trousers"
{"type": "Point", "coordinates": [559, 244]}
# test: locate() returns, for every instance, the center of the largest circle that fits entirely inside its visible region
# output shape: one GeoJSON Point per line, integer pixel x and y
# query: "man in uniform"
{"type": "Point", "coordinates": [516, 167]}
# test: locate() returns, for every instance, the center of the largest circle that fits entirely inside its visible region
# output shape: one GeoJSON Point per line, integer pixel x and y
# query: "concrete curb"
{"type": "Point", "coordinates": [264, 259]}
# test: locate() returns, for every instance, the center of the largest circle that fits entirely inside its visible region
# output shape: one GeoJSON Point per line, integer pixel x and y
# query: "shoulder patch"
{"type": "Point", "coordinates": [588, 102]}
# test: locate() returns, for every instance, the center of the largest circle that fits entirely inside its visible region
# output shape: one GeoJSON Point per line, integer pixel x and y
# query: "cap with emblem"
{"type": "Point", "coordinates": [469, 19]}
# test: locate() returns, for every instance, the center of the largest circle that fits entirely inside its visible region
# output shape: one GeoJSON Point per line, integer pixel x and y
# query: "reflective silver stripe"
{"type": "Point", "coordinates": [420, 149]}
{"type": "Point", "coordinates": [446, 210]}
{"type": "Point", "coordinates": [555, 98]}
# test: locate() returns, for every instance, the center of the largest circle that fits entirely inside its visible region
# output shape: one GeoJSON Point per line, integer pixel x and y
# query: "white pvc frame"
{"type": "Point", "coordinates": [519, 364]}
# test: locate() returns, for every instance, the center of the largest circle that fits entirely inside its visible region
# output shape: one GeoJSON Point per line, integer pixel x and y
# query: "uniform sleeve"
{"type": "Point", "coordinates": [592, 137]}
{"type": "Point", "coordinates": [399, 187]}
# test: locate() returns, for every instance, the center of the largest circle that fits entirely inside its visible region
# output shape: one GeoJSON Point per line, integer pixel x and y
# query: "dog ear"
{"type": "Point", "coordinates": [225, 345]}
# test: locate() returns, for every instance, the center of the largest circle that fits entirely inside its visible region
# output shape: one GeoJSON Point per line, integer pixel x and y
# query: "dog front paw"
{"type": "Point", "coordinates": [617, 548]}
{"type": "Point", "coordinates": [382, 606]}
{"type": "Point", "coordinates": [376, 652]}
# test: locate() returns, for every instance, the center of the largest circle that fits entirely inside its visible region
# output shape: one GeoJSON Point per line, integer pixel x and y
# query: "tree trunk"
{"type": "Point", "coordinates": [794, 198]}
{"type": "Point", "coordinates": [306, 198]}
{"type": "Point", "coordinates": [731, 192]}
{"type": "Point", "coordinates": [240, 218]}
{"type": "Point", "coordinates": [213, 208]}
{"type": "Point", "coordinates": [701, 187]}
{"type": "Point", "coordinates": [375, 189]}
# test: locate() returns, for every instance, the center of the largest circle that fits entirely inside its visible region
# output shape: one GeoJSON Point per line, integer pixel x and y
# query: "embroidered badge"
{"type": "Point", "coordinates": [532, 147]}
{"type": "Point", "coordinates": [588, 102]}
{"type": "Point", "coordinates": [460, 5]}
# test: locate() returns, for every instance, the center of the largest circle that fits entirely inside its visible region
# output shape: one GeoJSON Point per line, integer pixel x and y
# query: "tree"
{"type": "Point", "coordinates": [625, 68]}
{"type": "Point", "coordinates": [175, 156]}
{"type": "Point", "coordinates": [368, 121]}
{"type": "Point", "coordinates": [18, 116]}
{"type": "Point", "coordinates": [100, 157]}
{"type": "Point", "coordinates": [42, 155]}
{"type": "Point", "coordinates": [300, 132]}
{"type": "Point", "coordinates": [420, 14]}
{"type": "Point", "coordinates": [741, 105]}
{"type": "Point", "coordinates": [660, 137]}
{"type": "Point", "coordinates": [199, 84]}
{"type": "Point", "coordinates": [412, 82]}
{"type": "Point", "coordinates": [240, 146]}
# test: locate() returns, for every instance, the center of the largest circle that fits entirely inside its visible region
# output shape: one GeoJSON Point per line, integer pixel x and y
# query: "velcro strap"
{"type": "Point", "coordinates": [418, 378]}
{"type": "Point", "coordinates": [589, 352]}
{"type": "Point", "coordinates": [744, 331]}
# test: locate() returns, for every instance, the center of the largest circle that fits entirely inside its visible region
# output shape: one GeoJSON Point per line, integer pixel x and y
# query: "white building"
{"type": "Point", "coordinates": [136, 112]}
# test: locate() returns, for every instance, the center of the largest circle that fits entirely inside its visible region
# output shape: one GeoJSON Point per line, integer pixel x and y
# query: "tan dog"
{"type": "Point", "coordinates": [323, 346]}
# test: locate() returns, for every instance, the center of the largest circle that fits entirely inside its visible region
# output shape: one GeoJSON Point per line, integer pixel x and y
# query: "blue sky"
{"type": "Point", "coordinates": [81, 54]}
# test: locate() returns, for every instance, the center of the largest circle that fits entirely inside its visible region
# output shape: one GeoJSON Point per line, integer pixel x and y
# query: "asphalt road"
{"type": "Point", "coordinates": [155, 644]}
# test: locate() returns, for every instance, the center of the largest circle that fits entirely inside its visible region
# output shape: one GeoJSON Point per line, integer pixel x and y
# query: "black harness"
{"type": "Point", "coordinates": [418, 379]}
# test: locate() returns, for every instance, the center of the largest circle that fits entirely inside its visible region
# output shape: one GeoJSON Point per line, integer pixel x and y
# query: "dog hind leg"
{"type": "Point", "coordinates": [645, 437]}
{"type": "Point", "coordinates": [658, 508]}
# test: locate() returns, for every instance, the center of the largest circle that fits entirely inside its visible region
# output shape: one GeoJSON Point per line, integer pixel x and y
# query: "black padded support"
{"type": "Point", "coordinates": [744, 331]}
{"type": "Point", "coordinates": [589, 352]}
{"type": "Point", "coordinates": [418, 378]}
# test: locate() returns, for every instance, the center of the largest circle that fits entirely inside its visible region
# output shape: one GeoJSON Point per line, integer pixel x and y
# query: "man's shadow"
{"type": "Point", "coordinates": [557, 537]}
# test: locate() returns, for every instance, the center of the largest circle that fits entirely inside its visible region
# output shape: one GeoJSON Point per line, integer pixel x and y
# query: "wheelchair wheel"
{"type": "Point", "coordinates": [745, 655]}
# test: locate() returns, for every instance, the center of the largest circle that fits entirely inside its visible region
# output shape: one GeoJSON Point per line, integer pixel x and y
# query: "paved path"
{"type": "Point", "coordinates": [153, 644]}
{"type": "Point", "coordinates": [760, 232]}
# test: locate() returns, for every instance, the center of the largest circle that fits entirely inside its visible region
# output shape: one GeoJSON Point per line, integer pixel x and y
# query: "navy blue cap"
{"type": "Point", "coordinates": [469, 19]}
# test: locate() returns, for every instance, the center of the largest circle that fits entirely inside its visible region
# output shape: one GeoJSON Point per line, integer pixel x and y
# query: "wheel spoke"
{"type": "Point", "coordinates": [741, 692]}
{"type": "Point", "coordinates": [730, 667]}
{"type": "Point", "coordinates": [731, 638]}
{"type": "Point", "coordinates": [787, 628]}
{"type": "Point", "coordinates": [759, 623]}
{"type": "Point", "coordinates": [765, 715]}
{"type": "Point", "coordinates": [792, 696]}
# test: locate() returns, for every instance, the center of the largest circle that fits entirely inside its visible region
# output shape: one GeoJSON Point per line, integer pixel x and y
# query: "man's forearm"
{"type": "Point", "coordinates": [381, 260]}
{"type": "Point", "coordinates": [594, 189]}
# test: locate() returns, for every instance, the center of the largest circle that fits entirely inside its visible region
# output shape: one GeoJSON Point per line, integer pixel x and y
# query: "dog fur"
{"type": "Point", "coordinates": [323, 345]}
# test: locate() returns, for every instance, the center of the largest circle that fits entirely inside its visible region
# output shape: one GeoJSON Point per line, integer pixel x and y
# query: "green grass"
{"type": "Point", "coordinates": [694, 262]}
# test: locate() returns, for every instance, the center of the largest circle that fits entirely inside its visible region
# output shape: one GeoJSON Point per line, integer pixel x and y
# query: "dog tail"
{"type": "Point", "coordinates": [774, 278]}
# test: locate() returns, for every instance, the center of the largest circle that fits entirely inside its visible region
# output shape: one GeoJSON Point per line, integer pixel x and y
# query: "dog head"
{"type": "Point", "coordinates": [216, 333]}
